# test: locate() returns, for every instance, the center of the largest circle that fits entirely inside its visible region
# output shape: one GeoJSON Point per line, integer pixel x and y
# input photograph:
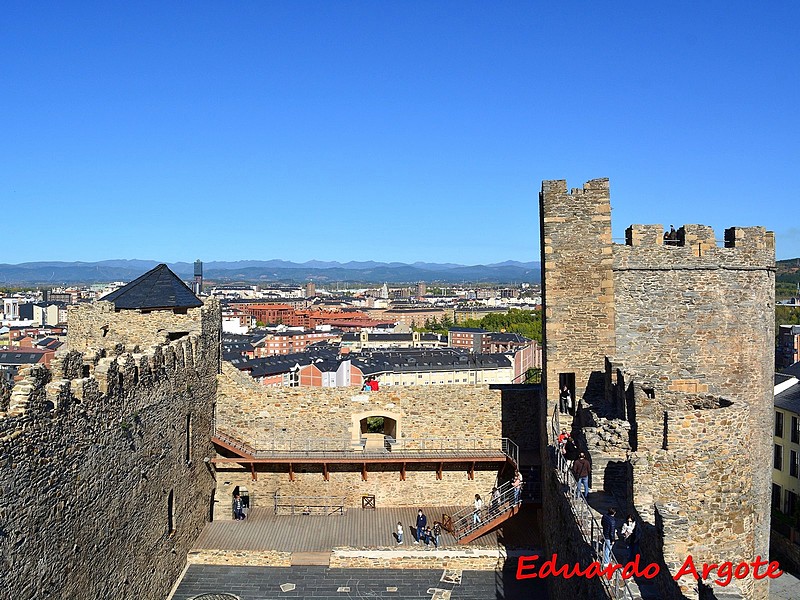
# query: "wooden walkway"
{"type": "Point", "coordinates": [357, 528]}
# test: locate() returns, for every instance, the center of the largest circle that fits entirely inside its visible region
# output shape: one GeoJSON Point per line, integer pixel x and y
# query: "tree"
{"type": "Point", "coordinates": [533, 375]}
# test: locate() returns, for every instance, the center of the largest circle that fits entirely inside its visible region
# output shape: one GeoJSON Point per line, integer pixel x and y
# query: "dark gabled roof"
{"type": "Point", "coordinates": [158, 288]}
{"type": "Point", "coordinates": [793, 370]}
{"type": "Point", "coordinates": [789, 399]}
{"type": "Point", "coordinates": [468, 330]}
{"type": "Point", "coordinates": [22, 356]}
{"type": "Point", "coordinates": [497, 336]}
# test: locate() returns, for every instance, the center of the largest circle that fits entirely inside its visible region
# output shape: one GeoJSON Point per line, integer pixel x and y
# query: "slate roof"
{"type": "Point", "coordinates": [158, 288]}
{"type": "Point", "coordinates": [789, 399]}
{"type": "Point", "coordinates": [793, 370]}
{"type": "Point", "coordinates": [22, 356]}
{"type": "Point", "coordinates": [419, 361]}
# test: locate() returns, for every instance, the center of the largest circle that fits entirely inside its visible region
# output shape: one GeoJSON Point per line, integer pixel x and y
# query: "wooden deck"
{"type": "Point", "coordinates": [357, 528]}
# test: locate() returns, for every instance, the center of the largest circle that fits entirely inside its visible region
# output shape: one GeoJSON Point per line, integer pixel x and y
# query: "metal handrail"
{"type": "Point", "coordinates": [463, 521]}
{"type": "Point", "coordinates": [312, 445]}
{"type": "Point", "coordinates": [617, 588]}
{"type": "Point", "coordinates": [308, 505]}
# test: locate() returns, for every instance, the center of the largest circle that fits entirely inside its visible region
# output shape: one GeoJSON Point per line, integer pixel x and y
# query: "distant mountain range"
{"type": "Point", "coordinates": [56, 273]}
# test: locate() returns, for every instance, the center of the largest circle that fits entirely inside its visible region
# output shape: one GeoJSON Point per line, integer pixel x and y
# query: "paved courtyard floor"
{"type": "Point", "coordinates": [320, 583]}
{"type": "Point", "coordinates": [357, 528]}
{"type": "Point", "coordinates": [785, 587]}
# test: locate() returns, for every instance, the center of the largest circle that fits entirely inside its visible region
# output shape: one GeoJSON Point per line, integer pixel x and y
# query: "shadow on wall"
{"type": "Point", "coordinates": [521, 416]}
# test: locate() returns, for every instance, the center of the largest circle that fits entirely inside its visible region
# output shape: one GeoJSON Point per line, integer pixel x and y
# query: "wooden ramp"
{"type": "Point", "coordinates": [488, 526]}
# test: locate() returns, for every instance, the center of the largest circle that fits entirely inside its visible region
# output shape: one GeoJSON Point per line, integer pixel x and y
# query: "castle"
{"type": "Point", "coordinates": [670, 343]}
{"type": "Point", "coordinates": [109, 471]}
{"type": "Point", "coordinates": [105, 477]}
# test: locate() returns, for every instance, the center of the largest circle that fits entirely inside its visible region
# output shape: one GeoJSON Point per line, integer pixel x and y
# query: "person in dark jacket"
{"type": "Point", "coordinates": [609, 524]}
{"type": "Point", "coordinates": [581, 469]}
{"type": "Point", "coordinates": [422, 523]}
{"type": "Point", "coordinates": [238, 508]}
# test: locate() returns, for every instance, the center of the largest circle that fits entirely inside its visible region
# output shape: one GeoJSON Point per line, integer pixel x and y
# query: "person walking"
{"type": "Point", "coordinates": [399, 533]}
{"type": "Point", "coordinates": [609, 525]}
{"type": "Point", "coordinates": [422, 522]}
{"type": "Point", "coordinates": [517, 485]}
{"type": "Point", "coordinates": [238, 508]}
{"type": "Point", "coordinates": [581, 469]}
{"type": "Point", "coordinates": [565, 400]}
{"type": "Point", "coordinates": [495, 506]}
{"type": "Point", "coordinates": [633, 538]}
{"type": "Point", "coordinates": [476, 515]}
{"type": "Point", "coordinates": [437, 534]}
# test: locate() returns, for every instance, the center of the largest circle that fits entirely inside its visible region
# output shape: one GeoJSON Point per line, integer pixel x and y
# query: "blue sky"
{"type": "Point", "coordinates": [385, 130]}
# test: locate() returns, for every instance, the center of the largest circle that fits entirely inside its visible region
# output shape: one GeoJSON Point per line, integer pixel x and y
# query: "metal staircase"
{"type": "Point", "coordinates": [464, 525]}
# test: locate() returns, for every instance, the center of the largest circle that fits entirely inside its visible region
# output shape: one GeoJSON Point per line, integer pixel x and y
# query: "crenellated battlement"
{"type": "Point", "coordinates": [695, 246]}
{"type": "Point", "coordinates": [75, 375]}
{"type": "Point", "coordinates": [108, 445]}
{"type": "Point", "coordinates": [743, 238]}
{"type": "Point", "coordinates": [688, 320]}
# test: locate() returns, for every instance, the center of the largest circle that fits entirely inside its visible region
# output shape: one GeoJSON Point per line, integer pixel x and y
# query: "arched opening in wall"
{"type": "Point", "coordinates": [379, 424]}
{"type": "Point", "coordinates": [188, 453]}
{"type": "Point", "coordinates": [373, 430]}
{"type": "Point", "coordinates": [171, 512]}
{"type": "Point", "coordinates": [85, 371]}
{"type": "Point", "coordinates": [135, 375]}
{"type": "Point", "coordinates": [378, 432]}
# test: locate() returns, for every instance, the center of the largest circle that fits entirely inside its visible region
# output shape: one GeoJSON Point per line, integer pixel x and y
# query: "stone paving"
{"type": "Point", "coordinates": [267, 583]}
{"type": "Point", "coordinates": [785, 587]}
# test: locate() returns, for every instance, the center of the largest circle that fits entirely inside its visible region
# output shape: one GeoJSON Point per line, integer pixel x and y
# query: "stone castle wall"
{"type": "Point", "coordinates": [691, 469]}
{"type": "Point", "coordinates": [260, 415]}
{"type": "Point", "coordinates": [98, 325]}
{"type": "Point", "coordinates": [104, 486]}
{"type": "Point", "coordinates": [437, 416]}
{"type": "Point", "coordinates": [699, 319]}
{"type": "Point", "coordinates": [692, 368]}
{"type": "Point", "coordinates": [578, 317]}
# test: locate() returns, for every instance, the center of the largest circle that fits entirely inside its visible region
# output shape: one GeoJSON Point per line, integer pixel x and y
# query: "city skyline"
{"type": "Point", "coordinates": [393, 132]}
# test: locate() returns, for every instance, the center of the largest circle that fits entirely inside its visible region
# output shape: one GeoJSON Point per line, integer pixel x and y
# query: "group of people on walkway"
{"type": "Point", "coordinates": [422, 532]}
{"type": "Point", "coordinates": [496, 500]}
{"type": "Point", "coordinates": [629, 532]}
{"type": "Point", "coordinates": [578, 464]}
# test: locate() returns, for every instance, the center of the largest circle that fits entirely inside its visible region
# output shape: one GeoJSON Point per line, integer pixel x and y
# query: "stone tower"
{"type": "Point", "coordinates": [577, 282]}
{"type": "Point", "coordinates": [675, 344]}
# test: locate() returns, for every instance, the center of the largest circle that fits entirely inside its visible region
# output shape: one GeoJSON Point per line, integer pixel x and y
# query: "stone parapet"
{"type": "Point", "coordinates": [103, 476]}
{"type": "Point", "coordinates": [472, 560]}
{"type": "Point", "coordinates": [240, 558]}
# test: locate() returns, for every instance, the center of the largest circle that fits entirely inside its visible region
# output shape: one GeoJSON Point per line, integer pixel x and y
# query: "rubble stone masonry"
{"type": "Point", "coordinates": [104, 486]}
{"type": "Point", "coordinates": [294, 417]}
{"type": "Point", "coordinates": [686, 331]}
